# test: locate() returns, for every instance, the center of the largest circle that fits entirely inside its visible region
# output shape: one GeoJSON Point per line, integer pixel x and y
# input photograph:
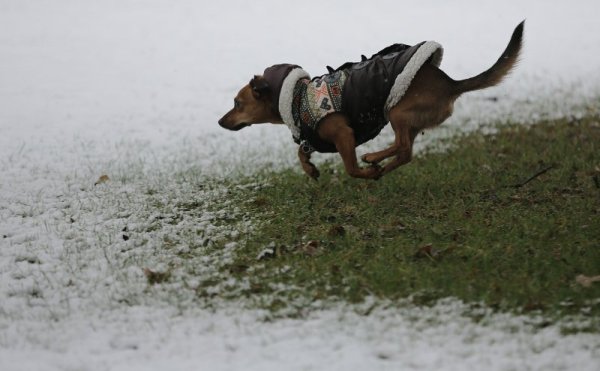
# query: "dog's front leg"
{"type": "Point", "coordinates": [308, 167]}
{"type": "Point", "coordinates": [336, 130]}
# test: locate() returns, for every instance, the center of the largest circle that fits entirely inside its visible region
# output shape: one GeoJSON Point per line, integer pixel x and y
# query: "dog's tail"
{"type": "Point", "coordinates": [499, 70]}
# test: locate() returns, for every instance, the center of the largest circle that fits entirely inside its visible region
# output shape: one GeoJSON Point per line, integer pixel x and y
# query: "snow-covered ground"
{"type": "Point", "coordinates": [133, 89]}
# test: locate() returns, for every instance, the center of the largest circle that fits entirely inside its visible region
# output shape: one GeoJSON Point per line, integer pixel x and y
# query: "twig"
{"type": "Point", "coordinates": [540, 172]}
{"type": "Point", "coordinates": [596, 179]}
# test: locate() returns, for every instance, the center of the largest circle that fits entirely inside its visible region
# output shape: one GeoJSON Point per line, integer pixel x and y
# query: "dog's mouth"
{"type": "Point", "coordinates": [233, 128]}
{"type": "Point", "coordinates": [239, 126]}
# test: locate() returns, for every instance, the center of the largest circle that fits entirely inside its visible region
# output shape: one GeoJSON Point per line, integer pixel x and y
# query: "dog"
{"type": "Point", "coordinates": [336, 112]}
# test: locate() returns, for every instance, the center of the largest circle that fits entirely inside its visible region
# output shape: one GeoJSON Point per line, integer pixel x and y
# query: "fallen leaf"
{"type": "Point", "coordinates": [391, 230]}
{"type": "Point", "coordinates": [311, 248]}
{"type": "Point", "coordinates": [428, 251]}
{"type": "Point", "coordinates": [238, 268]}
{"type": "Point", "coordinates": [336, 231]}
{"type": "Point", "coordinates": [533, 305]}
{"type": "Point", "coordinates": [102, 179]}
{"type": "Point", "coordinates": [586, 281]}
{"type": "Point", "coordinates": [437, 231]}
{"type": "Point", "coordinates": [260, 202]}
{"type": "Point", "coordinates": [156, 277]}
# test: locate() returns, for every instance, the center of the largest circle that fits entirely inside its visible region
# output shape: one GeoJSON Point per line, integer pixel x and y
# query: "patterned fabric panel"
{"type": "Point", "coordinates": [315, 99]}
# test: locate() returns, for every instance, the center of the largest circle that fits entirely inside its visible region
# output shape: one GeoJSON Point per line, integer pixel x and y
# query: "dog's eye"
{"type": "Point", "coordinates": [236, 103]}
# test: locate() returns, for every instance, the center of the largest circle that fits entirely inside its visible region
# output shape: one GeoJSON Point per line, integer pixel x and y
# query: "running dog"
{"type": "Point", "coordinates": [343, 109]}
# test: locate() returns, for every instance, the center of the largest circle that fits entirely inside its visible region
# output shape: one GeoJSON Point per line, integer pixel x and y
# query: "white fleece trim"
{"type": "Point", "coordinates": [404, 79]}
{"type": "Point", "coordinates": [286, 97]}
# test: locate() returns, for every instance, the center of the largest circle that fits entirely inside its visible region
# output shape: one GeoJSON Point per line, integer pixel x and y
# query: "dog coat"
{"type": "Point", "coordinates": [363, 91]}
{"type": "Point", "coordinates": [312, 101]}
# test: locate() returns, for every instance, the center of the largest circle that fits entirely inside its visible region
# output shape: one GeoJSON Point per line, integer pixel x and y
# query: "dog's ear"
{"type": "Point", "coordinates": [260, 87]}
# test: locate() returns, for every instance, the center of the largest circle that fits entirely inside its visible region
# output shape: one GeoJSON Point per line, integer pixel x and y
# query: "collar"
{"type": "Point", "coordinates": [286, 97]}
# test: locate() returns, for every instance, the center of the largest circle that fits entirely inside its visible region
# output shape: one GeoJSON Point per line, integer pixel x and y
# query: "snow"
{"type": "Point", "coordinates": [336, 339]}
{"type": "Point", "coordinates": [134, 89]}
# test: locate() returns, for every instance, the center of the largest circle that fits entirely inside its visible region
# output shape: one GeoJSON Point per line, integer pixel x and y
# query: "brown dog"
{"type": "Point", "coordinates": [417, 96]}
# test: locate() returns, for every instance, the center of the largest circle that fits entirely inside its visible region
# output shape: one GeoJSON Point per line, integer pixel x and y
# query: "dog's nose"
{"type": "Point", "coordinates": [221, 121]}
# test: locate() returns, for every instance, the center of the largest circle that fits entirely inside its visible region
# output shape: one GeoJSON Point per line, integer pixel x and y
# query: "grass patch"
{"type": "Point", "coordinates": [447, 224]}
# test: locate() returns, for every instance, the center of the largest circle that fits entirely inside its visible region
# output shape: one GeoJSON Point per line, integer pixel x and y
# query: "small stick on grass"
{"type": "Point", "coordinates": [540, 172]}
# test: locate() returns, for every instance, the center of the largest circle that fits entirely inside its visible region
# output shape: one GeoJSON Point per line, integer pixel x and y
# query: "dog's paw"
{"type": "Point", "coordinates": [314, 173]}
{"type": "Point", "coordinates": [311, 170]}
{"type": "Point", "coordinates": [378, 171]}
{"type": "Point", "coordinates": [373, 172]}
{"type": "Point", "coordinates": [369, 158]}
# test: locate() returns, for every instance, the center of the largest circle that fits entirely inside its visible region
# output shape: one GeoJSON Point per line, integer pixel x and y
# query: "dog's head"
{"type": "Point", "coordinates": [252, 105]}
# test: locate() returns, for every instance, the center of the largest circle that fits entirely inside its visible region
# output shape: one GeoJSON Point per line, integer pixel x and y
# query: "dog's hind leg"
{"type": "Point", "coordinates": [405, 137]}
{"type": "Point", "coordinates": [427, 103]}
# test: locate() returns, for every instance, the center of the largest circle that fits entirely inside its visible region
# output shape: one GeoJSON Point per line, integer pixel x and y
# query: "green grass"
{"type": "Point", "coordinates": [447, 224]}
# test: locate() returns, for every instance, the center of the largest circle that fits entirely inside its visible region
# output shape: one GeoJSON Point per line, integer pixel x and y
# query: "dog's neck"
{"type": "Point", "coordinates": [274, 121]}
{"type": "Point", "coordinates": [275, 117]}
